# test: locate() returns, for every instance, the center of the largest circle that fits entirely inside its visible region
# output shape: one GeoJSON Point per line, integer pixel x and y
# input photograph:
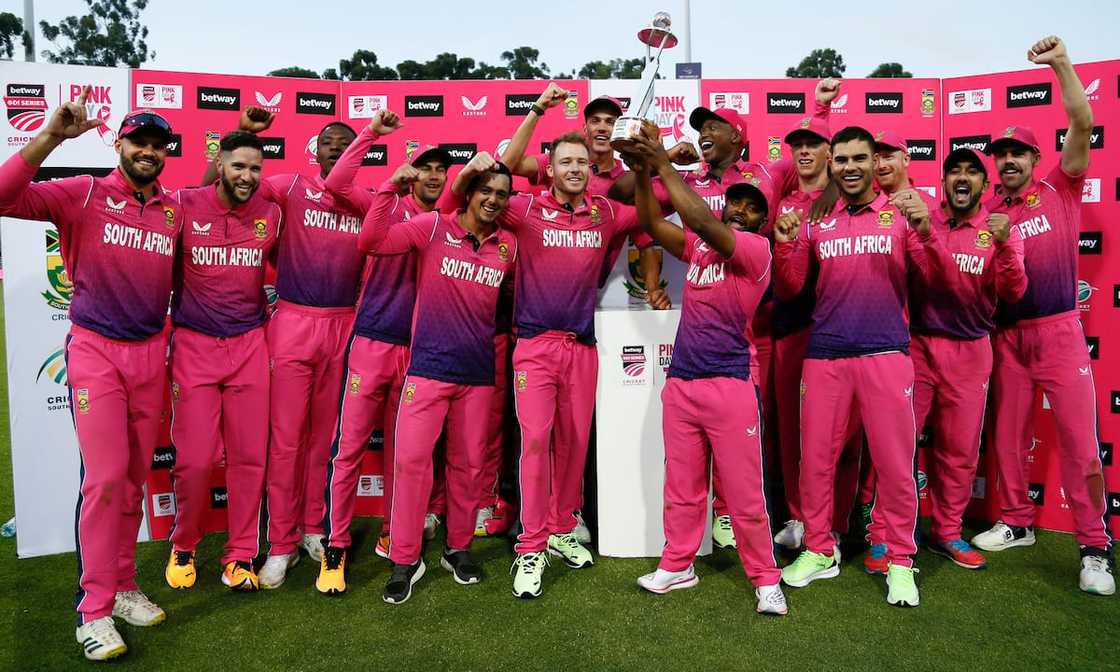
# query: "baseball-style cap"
{"type": "Point", "coordinates": [1013, 134]}
{"type": "Point", "coordinates": [963, 154]}
{"type": "Point", "coordinates": [890, 141]}
{"type": "Point", "coordinates": [611, 105]}
{"type": "Point", "coordinates": [428, 153]}
{"type": "Point", "coordinates": [724, 114]}
{"type": "Point", "coordinates": [145, 120]}
{"type": "Point", "coordinates": [814, 126]}
{"type": "Point", "coordinates": [756, 185]}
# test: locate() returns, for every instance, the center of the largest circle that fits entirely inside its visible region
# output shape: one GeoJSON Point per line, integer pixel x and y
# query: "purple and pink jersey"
{"type": "Point", "coordinates": [720, 297]}
{"type": "Point", "coordinates": [1048, 216]}
{"type": "Point", "coordinates": [118, 251]}
{"type": "Point", "coordinates": [795, 314]}
{"type": "Point", "coordinates": [219, 284]}
{"type": "Point", "coordinates": [459, 279]}
{"type": "Point", "coordinates": [976, 268]}
{"type": "Point", "coordinates": [861, 255]}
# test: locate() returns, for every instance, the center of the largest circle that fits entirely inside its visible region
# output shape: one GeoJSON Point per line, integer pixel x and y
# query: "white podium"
{"type": "Point", "coordinates": [635, 350]}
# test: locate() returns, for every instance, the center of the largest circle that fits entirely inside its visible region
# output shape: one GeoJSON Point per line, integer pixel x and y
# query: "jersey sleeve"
{"type": "Point", "coordinates": [1010, 273]}
{"type": "Point", "coordinates": [375, 226]}
{"type": "Point", "coordinates": [514, 216]}
{"type": "Point", "coordinates": [276, 188]}
{"type": "Point", "coordinates": [542, 170]}
{"type": "Point", "coordinates": [792, 261]}
{"type": "Point", "coordinates": [340, 181]}
{"type": "Point", "coordinates": [661, 195]}
{"type": "Point", "coordinates": [751, 256]}
{"type": "Point", "coordinates": [57, 201]}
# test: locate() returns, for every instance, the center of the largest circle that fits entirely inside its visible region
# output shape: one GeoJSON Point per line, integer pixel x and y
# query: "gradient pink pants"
{"type": "Point", "coordinates": [308, 347]}
{"type": "Point", "coordinates": [554, 379]}
{"type": "Point", "coordinates": [116, 399]}
{"type": "Point", "coordinates": [219, 402]}
{"type": "Point", "coordinates": [881, 387]}
{"type": "Point", "coordinates": [492, 458]}
{"type": "Point", "coordinates": [1049, 353]}
{"type": "Point", "coordinates": [788, 360]}
{"type": "Point", "coordinates": [715, 421]}
{"type": "Point", "coordinates": [371, 390]}
{"type": "Point", "coordinates": [425, 405]}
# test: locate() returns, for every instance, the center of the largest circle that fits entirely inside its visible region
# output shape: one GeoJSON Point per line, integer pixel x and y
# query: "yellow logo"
{"type": "Point", "coordinates": [409, 392]}
{"type": "Point", "coordinates": [571, 105]}
{"type": "Point", "coordinates": [522, 380]}
{"type": "Point", "coordinates": [983, 238]}
{"type": "Point", "coordinates": [260, 228]}
{"type": "Point", "coordinates": [169, 217]}
{"type": "Point", "coordinates": [595, 218]}
{"type": "Point", "coordinates": [805, 122]}
{"type": "Point", "coordinates": [1033, 200]}
{"type": "Point", "coordinates": [355, 383]}
{"type": "Point", "coordinates": [886, 219]}
{"type": "Point", "coordinates": [175, 391]}
{"type": "Point", "coordinates": [748, 175]}
{"type": "Point", "coordinates": [773, 148]}
{"type": "Point", "coordinates": [82, 395]}
{"type": "Point", "coordinates": [1010, 131]}
{"type": "Point", "coordinates": [503, 251]}
{"type": "Point", "coordinates": [803, 388]}
{"type": "Point", "coordinates": [878, 136]}
{"type": "Point", "coordinates": [58, 296]}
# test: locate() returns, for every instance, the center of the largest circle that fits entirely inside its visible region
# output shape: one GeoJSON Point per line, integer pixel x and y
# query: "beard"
{"type": "Point", "coordinates": [231, 191]}
{"type": "Point", "coordinates": [140, 176]}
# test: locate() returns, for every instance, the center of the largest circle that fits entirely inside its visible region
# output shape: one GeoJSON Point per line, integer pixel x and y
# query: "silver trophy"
{"type": "Point", "coordinates": [658, 35]}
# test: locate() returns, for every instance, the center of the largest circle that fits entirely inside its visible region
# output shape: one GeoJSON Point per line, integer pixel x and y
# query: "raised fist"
{"type": "Point", "coordinates": [827, 90]}
{"type": "Point", "coordinates": [255, 119]}
{"type": "Point", "coordinates": [1000, 226]}
{"type": "Point", "coordinates": [786, 227]}
{"type": "Point", "coordinates": [1047, 51]}
{"type": "Point", "coordinates": [384, 122]}
{"type": "Point", "coordinates": [552, 96]}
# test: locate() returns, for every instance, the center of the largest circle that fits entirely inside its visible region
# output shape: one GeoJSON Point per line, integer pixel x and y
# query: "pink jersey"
{"type": "Point", "coordinates": [1048, 215]}
{"type": "Point", "coordinates": [318, 263]}
{"type": "Point", "coordinates": [219, 283]}
{"type": "Point", "coordinates": [976, 269]}
{"type": "Point", "coordinates": [460, 278]}
{"type": "Point", "coordinates": [860, 255]}
{"type": "Point", "coordinates": [118, 250]}
{"type": "Point", "coordinates": [720, 297]}
{"type": "Point", "coordinates": [781, 176]}
{"type": "Point", "coordinates": [796, 313]}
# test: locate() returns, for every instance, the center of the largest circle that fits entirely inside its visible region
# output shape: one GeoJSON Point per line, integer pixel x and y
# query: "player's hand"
{"type": "Point", "coordinates": [827, 90]}
{"type": "Point", "coordinates": [684, 153]}
{"type": "Point", "coordinates": [633, 161]}
{"type": "Point", "coordinates": [385, 121]}
{"type": "Point", "coordinates": [786, 227]}
{"type": "Point", "coordinates": [913, 208]}
{"type": "Point", "coordinates": [1000, 226]}
{"type": "Point", "coordinates": [650, 151]}
{"type": "Point", "coordinates": [255, 119]}
{"type": "Point", "coordinates": [552, 96]}
{"type": "Point", "coordinates": [1048, 51]}
{"type": "Point", "coordinates": [658, 299]}
{"type": "Point", "coordinates": [824, 204]}
{"type": "Point", "coordinates": [69, 120]}
{"type": "Point", "coordinates": [405, 175]}
{"type": "Point", "coordinates": [480, 163]}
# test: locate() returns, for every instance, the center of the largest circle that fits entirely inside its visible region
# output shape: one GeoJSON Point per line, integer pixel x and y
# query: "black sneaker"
{"type": "Point", "coordinates": [399, 587]}
{"type": "Point", "coordinates": [462, 566]}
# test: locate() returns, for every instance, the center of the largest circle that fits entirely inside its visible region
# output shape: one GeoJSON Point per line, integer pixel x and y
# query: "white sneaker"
{"type": "Point", "coordinates": [313, 544]}
{"type": "Point", "coordinates": [431, 523]}
{"type": "Point", "coordinates": [100, 640]}
{"type": "Point", "coordinates": [583, 534]}
{"type": "Point", "coordinates": [771, 600]}
{"type": "Point", "coordinates": [276, 568]}
{"type": "Point", "coordinates": [135, 608]}
{"type": "Point", "coordinates": [1002, 537]}
{"type": "Point", "coordinates": [1096, 576]}
{"type": "Point", "coordinates": [663, 581]}
{"type": "Point", "coordinates": [484, 514]}
{"type": "Point", "coordinates": [791, 536]}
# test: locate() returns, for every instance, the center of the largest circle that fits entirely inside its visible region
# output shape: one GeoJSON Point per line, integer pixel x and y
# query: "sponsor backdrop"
{"type": "Point", "coordinates": [466, 117]}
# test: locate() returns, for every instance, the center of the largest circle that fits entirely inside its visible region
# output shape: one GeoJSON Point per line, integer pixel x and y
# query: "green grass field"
{"type": "Point", "coordinates": [1024, 612]}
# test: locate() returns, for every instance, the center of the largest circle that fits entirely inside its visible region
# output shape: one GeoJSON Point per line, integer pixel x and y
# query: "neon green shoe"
{"type": "Point", "coordinates": [722, 534]}
{"type": "Point", "coordinates": [567, 548]}
{"type": "Point", "coordinates": [809, 567]}
{"type": "Point", "coordinates": [528, 570]}
{"type": "Point", "coordinates": [901, 589]}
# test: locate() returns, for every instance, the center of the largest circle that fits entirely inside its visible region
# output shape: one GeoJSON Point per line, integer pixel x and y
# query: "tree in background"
{"type": "Point", "coordinates": [294, 71]}
{"type": "Point", "coordinates": [617, 68]}
{"type": "Point", "coordinates": [522, 63]}
{"type": "Point", "coordinates": [11, 27]}
{"type": "Point", "coordinates": [890, 70]}
{"type": "Point", "coordinates": [110, 34]}
{"type": "Point", "coordinates": [818, 64]}
{"type": "Point", "coordinates": [363, 66]}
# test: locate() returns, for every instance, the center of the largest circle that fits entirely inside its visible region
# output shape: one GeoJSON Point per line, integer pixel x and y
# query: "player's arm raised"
{"type": "Point", "coordinates": [1075, 153]}
{"type": "Point", "coordinates": [514, 154]}
{"type": "Point", "coordinates": [668, 235]}
{"type": "Point", "coordinates": [340, 181]}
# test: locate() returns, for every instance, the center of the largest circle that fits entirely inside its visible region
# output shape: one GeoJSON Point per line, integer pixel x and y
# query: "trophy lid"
{"type": "Point", "coordinates": [658, 32]}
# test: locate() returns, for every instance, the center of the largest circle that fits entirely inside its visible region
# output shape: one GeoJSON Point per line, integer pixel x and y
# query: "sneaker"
{"type": "Point", "coordinates": [134, 608]}
{"type": "Point", "coordinates": [961, 553]}
{"type": "Point", "coordinates": [901, 589]}
{"type": "Point", "coordinates": [567, 548]}
{"type": "Point", "coordinates": [1003, 536]}
{"type": "Point", "coordinates": [504, 515]}
{"type": "Point", "coordinates": [722, 534]}
{"type": "Point", "coordinates": [100, 640]}
{"type": "Point", "coordinates": [431, 523]}
{"type": "Point", "coordinates": [875, 562]}
{"type": "Point", "coordinates": [462, 566]}
{"type": "Point", "coordinates": [484, 514]}
{"type": "Point", "coordinates": [809, 567]}
{"type": "Point", "coordinates": [791, 536]}
{"type": "Point", "coordinates": [382, 548]}
{"type": "Point", "coordinates": [180, 569]}
{"type": "Point", "coordinates": [239, 575]}
{"type": "Point", "coordinates": [771, 600]}
{"type": "Point", "coordinates": [332, 571]}
{"type": "Point", "coordinates": [662, 581]}
{"type": "Point", "coordinates": [401, 581]}
{"type": "Point", "coordinates": [528, 570]}
{"type": "Point", "coordinates": [1096, 574]}
{"type": "Point", "coordinates": [583, 534]}
{"type": "Point", "coordinates": [313, 544]}
{"type": "Point", "coordinates": [276, 568]}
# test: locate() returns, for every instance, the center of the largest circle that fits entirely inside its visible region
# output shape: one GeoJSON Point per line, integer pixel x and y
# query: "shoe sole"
{"type": "Point", "coordinates": [292, 562]}
{"type": "Point", "coordinates": [722, 546]}
{"type": "Point", "coordinates": [829, 573]}
{"type": "Point", "coordinates": [181, 586]}
{"type": "Point", "coordinates": [569, 563]}
{"type": "Point", "coordinates": [937, 550]}
{"type": "Point", "coordinates": [142, 624]}
{"type": "Point", "coordinates": [415, 577]}
{"type": "Point", "coordinates": [874, 572]}
{"type": "Point", "coordinates": [111, 654]}
{"type": "Point", "coordinates": [528, 595]}
{"type": "Point", "coordinates": [679, 585]}
{"type": "Point", "coordinates": [468, 582]}
{"type": "Point", "coordinates": [1011, 544]}
{"type": "Point", "coordinates": [331, 591]}
{"type": "Point", "coordinates": [240, 588]}
{"type": "Point", "coordinates": [771, 612]}
{"type": "Point", "coordinates": [903, 603]}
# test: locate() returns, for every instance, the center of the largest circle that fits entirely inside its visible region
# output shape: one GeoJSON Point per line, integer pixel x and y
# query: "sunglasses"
{"type": "Point", "coordinates": [139, 119]}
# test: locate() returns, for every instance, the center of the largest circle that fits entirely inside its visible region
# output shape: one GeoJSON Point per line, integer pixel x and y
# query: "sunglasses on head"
{"type": "Point", "coordinates": [147, 119]}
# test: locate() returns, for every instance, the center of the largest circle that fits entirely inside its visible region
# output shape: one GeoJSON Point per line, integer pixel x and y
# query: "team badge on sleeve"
{"type": "Point", "coordinates": [886, 219]}
{"type": "Point", "coordinates": [595, 217]}
{"type": "Point", "coordinates": [169, 217]}
{"type": "Point", "coordinates": [522, 380]}
{"type": "Point", "coordinates": [355, 383]}
{"type": "Point", "coordinates": [260, 228]}
{"type": "Point", "coordinates": [983, 238]}
{"type": "Point", "coordinates": [1033, 200]}
{"type": "Point", "coordinates": [503, 251]}
{"type": "Point", "coordinates": [81, 398]}
{"type": "Point", "coordinates": [409, 393]}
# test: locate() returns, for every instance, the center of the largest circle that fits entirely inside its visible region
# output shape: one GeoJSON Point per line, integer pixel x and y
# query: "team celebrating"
{"type": "Point", "coordinates": [830, 310]}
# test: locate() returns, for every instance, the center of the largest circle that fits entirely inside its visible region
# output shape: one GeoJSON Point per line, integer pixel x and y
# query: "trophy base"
{"type": "Point", "coordinates": [625, 130]}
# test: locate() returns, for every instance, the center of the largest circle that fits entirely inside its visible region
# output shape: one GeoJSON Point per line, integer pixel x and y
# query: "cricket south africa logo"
{"type": "Point", "coordinates": [58, 296]}
{"type": "Point", "coordinates": [54, 367]}
{"type": "Point", "coordinates": [634, 364]}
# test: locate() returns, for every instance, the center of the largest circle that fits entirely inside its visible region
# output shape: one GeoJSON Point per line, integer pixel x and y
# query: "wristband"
{"type": "Point", "coordinates": [537, 108]}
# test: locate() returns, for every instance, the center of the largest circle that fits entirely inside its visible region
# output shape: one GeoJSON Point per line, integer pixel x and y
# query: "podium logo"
{"type": "Point", "coordinates": [922, 150]}
{"type": "Point", "coordinates": [61, 290]}
{"type": "Point", "coordinates": [364, 107]}
{"type": "Point", "coordinates": [518, 104]}
{"type": "Point", "coordinates": [272, 148]}
{"type": "Point", "coordinates": [54, 366]}
{"type": "Point", "coordinates": [1096, 138]}
{"type": "Point", "coordinates": [1036, 492]}
{"type": "Point", "coordinates": [218, 99]}
{"type": "Point", "coordinates": [314, 103]}
{"type": "Point", "coordinates": [976, 142]}
{"type": "Point", "coordinates": [1089, 243]}
{"type": "Point", "coordinates": [26, 105]}
{"type": "Point", "coordinates": [159, 96]}
{"type": "Point", "coordinates": [371, 485]}
{"type": "Point", "coordinates": [970, 100]}
{"type": "Point", "coordinates": [219, 498]}
{"type": "Point", "coordinates": [785, 103]}
{"type": "Point", "coordinates": [163, 458]}
{"type": "Point", "coordinates": [461, 152]}
{"type": "Point", "coordinates": [634, 364]}
{"type": "Point", "coordinates": [376, 155]}
{"type": "Point", "coordinates": [423, 106]}
{"type": "Point", "coordinates": [1029, 95]}
{"type": "Point", "coordinates": [163, 504]}
{"type": "Point", "coordinates": [883, 103]}
{"type": "Point", "coordinates": [740, 101]}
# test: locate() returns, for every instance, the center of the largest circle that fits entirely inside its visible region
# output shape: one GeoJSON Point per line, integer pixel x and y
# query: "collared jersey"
{"type": "Point", "coordinates": [796, 313]}
{"type": "Point", "coordinates": [117, 250]}
{"type": "Point", "coordinates": [720, 297]}
{"type": "Point", "coordinates": [219, 275]}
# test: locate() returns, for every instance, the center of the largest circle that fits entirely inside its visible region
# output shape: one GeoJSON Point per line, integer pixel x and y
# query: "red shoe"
{"type": "Point", "coordinates": [959, 551]}
{"type": "Point", "coordinates": [382, 548]}
{"type": "Point", "coordinates": [501, 519]}
{"type": "Point", "coordinates": [875, 562]}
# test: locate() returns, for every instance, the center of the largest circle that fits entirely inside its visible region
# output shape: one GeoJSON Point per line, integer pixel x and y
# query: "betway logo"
{"type": "Point", "coordinates": [31, 90]}
{"type": "Point", "coordinates": [977, 142]}
{"type": "Point", "coordinates": [517, 105]}
{"type": "Point", "coordinates": [1096, 138]}
{"type": "Point", "coordinates": [884, 102]}
{"type": "Point", "coordinates": [1029, 95]}
{"type": "Point", "coordinates": [423, 106]}
{"type": "Point", "coordinates": [314, 103]}
{"type": "Point", "coordinates": [218, 99]}
{"type": "Point", "coordinates": [921, 150]}
{"type": "Point", "coordinates": [785, 103]}
{"type": "Point", "coordinates": [460, 152]}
